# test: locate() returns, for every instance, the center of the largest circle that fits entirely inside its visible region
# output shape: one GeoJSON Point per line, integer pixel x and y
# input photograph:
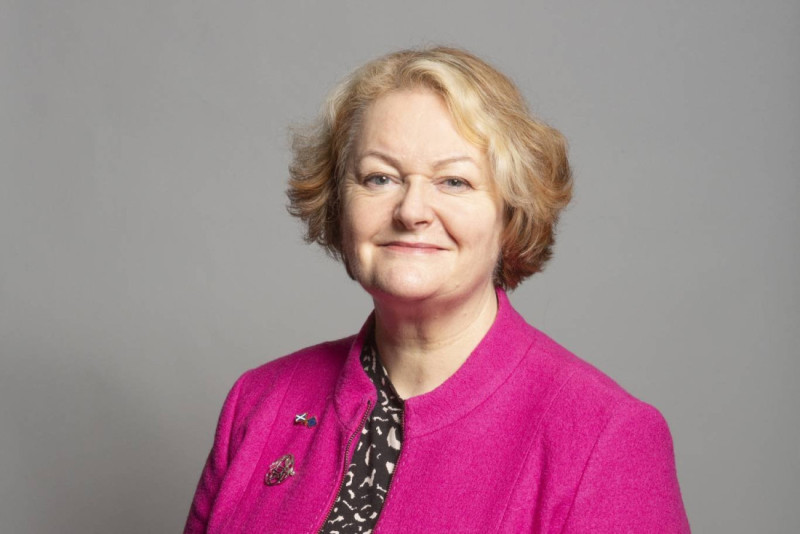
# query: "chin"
{"type": "Point", "coordinates": [409, 288]}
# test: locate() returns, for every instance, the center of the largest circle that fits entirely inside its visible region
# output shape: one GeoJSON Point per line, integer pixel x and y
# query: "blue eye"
{"type": "Point", "coordinates": [377, 179]}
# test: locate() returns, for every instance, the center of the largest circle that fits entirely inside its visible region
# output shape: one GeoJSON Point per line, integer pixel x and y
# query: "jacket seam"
{"type": "Point", "coordinates": [586, 463]}
{"type": "Point", "coordinates": [530, 444]}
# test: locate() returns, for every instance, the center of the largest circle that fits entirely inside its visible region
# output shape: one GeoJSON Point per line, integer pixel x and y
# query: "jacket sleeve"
{"type": "Point", "coordinates": [629, 483]}
{"type": "Point", "coordinates": [216, 465]}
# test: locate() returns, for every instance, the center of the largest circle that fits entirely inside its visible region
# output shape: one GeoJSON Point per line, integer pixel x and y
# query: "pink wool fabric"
{"type": "Point", "coordinates": [524, 437]}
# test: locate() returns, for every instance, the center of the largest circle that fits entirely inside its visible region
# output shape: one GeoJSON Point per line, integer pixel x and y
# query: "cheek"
{"type": "Point", "coordinates": [348, 251]}
{"type": "Point", "coordinates": [481, 226]}
{"type": "Point", "coordinates": [349, 248]}
{"type": "Point", "coordinates": [347, 229]}
{"type": "Point", "coordinates": [349, 216]}
{"type": "Point", "coordinates": [353, 225]}
{"type": "Point", "coordinates": [359, 225]}
{"type": "Point", "coordinates": [492, 243]}
{"type": "Point", "coordinates": [364, 216]}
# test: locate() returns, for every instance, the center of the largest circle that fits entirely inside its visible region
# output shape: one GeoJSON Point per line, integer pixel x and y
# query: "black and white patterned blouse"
{"type": "Point", "coordinates": [361, 497]}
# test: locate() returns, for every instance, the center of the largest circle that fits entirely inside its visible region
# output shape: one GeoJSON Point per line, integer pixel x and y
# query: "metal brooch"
{"type": "Point", "coordinates": [279, 470]}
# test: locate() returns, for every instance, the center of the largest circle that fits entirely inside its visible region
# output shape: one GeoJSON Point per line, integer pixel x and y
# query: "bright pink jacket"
{"type": "Point", "coordinates": [524, 437]}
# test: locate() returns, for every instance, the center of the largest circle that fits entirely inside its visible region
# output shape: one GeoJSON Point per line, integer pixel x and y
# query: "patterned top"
{"type": "Point", "coordinates": [361, 497]}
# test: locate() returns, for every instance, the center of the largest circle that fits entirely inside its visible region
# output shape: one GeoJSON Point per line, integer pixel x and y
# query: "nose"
{"type": "Point", "coordinates": [414, 209]}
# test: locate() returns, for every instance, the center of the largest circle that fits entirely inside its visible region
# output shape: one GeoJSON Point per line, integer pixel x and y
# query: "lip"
{"type": "Point", "coordinates": [406, 246]}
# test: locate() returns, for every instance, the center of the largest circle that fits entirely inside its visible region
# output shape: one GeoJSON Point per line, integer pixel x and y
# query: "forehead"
{"type": "Point", "coordinates": [413, 124]}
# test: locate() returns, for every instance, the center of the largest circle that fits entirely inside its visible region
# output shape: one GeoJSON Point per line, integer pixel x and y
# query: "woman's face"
{"type": "Point", "coordinates": [421, 218]}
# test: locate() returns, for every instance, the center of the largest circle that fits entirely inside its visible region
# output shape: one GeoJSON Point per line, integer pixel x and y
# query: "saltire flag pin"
{"type": "Point", "coordinates": [305, 420]}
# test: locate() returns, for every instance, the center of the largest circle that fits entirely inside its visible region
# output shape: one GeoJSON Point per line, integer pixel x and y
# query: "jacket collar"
{"type": "Point", "coordinates": [489, 365]}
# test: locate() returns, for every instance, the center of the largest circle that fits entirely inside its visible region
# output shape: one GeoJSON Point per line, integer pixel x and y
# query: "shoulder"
{"type": "Point", "coordinates": [318, 364]}
{"type": "Point", "coordinates": [323, 357]}
{"type": "Point", "coordinates": [579, 395]}
{"type": "Point", "coordinates": [610, 454]}
{"type": "Point", "coordinates": [616, 452]}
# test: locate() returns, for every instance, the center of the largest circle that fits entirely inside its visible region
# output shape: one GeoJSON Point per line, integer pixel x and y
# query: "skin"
{"type": "Point", "coordinates": [421, 225]}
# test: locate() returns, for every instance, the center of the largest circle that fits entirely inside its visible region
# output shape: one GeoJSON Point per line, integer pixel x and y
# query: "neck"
{"type": "Point", "coordinates": [422, 344]}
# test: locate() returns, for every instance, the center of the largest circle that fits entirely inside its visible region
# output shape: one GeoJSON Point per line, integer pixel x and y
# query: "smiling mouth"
{"type": "Point", "coordinates": [403, 246]}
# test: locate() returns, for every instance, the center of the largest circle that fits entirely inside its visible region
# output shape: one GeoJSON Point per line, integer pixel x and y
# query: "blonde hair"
{"type": "Point", "coordinates": [528, 157]}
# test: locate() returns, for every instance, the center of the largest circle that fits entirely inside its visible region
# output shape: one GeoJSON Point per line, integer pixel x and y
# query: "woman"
{"type": "Point", "coordinates": [447, 412]}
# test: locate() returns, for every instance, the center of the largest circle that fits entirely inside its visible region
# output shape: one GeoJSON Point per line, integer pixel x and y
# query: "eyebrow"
{"type": "Point", "coordinates": [395, 163]}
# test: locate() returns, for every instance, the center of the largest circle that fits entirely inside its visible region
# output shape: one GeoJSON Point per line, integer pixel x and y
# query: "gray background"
{"type": "Point", "coordinates": [147, 258]}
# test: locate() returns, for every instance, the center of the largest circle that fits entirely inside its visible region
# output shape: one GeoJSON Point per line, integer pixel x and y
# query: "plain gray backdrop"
{"type": "Point", "coordinates": [147, 258]}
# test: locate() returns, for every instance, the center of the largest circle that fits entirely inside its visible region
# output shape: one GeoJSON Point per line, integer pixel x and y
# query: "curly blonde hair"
{"type": "Point", "coordinates": [528, 157]}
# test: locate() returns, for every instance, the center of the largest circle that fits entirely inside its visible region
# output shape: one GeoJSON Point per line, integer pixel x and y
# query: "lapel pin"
{"type": "Point", "coordinates": [280, 470]}
{"type": "Point", "coordinates": [306, 420]}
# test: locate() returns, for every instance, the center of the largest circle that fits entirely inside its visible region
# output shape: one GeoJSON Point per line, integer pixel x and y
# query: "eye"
{"type": "Point", "coordinates": [377, 180]}
{"type": "Point", "coordinates": [455, 183]}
